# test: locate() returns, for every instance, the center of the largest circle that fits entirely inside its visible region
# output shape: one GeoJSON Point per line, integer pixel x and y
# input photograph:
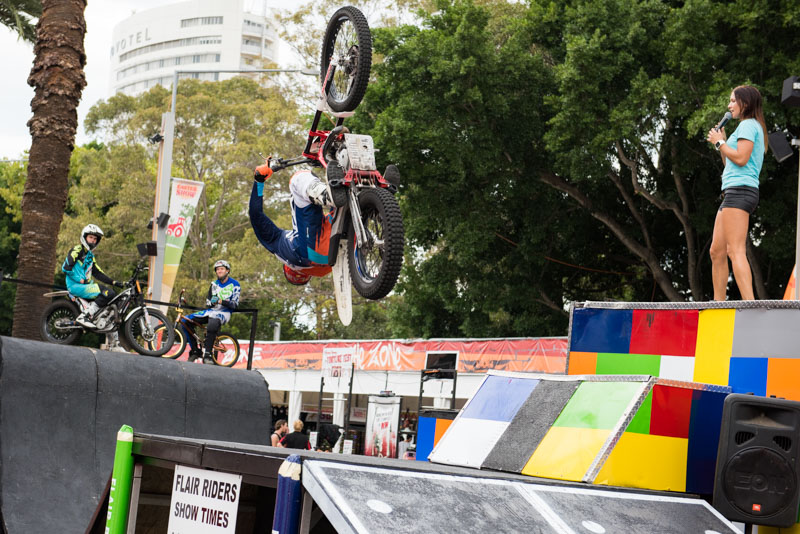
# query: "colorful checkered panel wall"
{"type": "Point", "coordinates": [752, 346]}
{"type": "Point", "coordinates": [634, 431]}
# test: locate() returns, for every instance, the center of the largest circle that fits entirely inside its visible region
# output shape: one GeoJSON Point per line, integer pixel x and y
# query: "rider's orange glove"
{"type": "Point", "coordinates": [262, 172]}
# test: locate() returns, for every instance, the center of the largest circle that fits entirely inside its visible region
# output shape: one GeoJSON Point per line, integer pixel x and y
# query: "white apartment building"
{"type": "Point", "coordinates": [150, 45]}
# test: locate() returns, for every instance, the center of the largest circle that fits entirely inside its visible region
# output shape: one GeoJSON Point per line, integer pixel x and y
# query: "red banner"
{"type": "Point", "coordinates": [531, 355]}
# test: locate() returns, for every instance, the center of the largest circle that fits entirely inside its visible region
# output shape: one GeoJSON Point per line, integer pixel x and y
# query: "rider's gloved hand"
{"type": "Point", "coordinates": [263, 172]}
{"type": "Point", "coordinates": [214, 300]}
{"type": "Point", "coordinates": [117, 284]}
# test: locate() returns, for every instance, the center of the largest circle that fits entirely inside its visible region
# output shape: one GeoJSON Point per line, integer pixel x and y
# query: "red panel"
{"type": "Point", "coordinates": [671, 412]}
{"type": "Point", "coordinates": [664, 332]}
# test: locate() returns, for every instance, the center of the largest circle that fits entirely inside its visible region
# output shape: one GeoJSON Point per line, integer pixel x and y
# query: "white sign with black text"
{"type": "Point", "coordinates": [203, 502]}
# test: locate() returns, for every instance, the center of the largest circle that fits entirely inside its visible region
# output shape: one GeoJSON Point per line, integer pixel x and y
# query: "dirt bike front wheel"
{"type": "Point", "coordinates": [375, 266]}
{"type": "Point", "coordinates": [161, 337]}
{"type": "Point", "coordinates": [58, 314]}
{"type": "Point", "coordinates": [141, 334]}
{"type": "Point", "coordinates": [226, 350]}
{"type": "Point", "coordinates": [348, 47]}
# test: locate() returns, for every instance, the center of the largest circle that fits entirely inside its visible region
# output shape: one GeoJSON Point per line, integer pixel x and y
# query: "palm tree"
{"type": "Point", "coordinates": [58, 79]}
{"type": "Point", "coordinates": [17, 15]}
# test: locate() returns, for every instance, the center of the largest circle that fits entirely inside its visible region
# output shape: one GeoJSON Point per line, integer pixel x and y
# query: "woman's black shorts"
{"type": "Point", "coordinates": [741, 197]}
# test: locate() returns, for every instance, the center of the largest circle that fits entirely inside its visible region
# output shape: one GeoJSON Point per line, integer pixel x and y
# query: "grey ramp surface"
{"type": "Point", "coordinates": [361, 499]}
{"type": "Point", "coordinates": [529, 425]}
{"type": "Point", "coordinates": [766, 333]}
{"type": "Point", "coordinates": [61, 408]}
{"type": "Point", "coordinates": [583, 510]}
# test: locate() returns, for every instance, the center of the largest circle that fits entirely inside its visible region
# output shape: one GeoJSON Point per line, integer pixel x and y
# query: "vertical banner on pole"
{"type": "Point", "coordinates": [119, 497]}
{"type": "Point", "coordinates": [383, 419]}
{"type": "Point", "coordinates": [182, 206]}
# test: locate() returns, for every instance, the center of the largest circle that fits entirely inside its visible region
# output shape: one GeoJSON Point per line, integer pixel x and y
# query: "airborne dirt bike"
{"type": "Point", "coordinates": [366, 223]}
{"type": "Point", "coordinates": [126, 312]}
{"type": "Point", "coordinates": [226, 348]}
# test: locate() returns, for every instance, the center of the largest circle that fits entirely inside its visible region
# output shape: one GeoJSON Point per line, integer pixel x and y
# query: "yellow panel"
{"type": "Point", "coordinates": [566, 453]}
{"type": "Point", "coordinates": [714, 346]}
{"type": "Point", "coordinates": [648, 462]}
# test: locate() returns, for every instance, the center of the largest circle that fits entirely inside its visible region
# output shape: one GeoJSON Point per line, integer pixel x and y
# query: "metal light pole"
{"type": "Point", "coordinates": [164, 171]}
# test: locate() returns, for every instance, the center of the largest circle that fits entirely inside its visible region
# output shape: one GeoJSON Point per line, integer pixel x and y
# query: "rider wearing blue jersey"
{"type": "Point", "coordinates": [303, 249]}
{"type": "Point", "coordinates": [81, 268]}
{"type": "Point", "coordinates": [222, 299]}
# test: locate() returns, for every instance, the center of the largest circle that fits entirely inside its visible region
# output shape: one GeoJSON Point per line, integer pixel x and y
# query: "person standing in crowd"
{"type": "Point", "coordinates": [296, 440]}
{"type": "Point", "coordinates": [281, 428]}
{"type": "Point", "coordinates": [742, 155]}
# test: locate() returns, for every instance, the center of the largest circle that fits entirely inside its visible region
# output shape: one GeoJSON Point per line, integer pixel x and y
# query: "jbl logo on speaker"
{"type": "Point", "coordinates": [757, 461]}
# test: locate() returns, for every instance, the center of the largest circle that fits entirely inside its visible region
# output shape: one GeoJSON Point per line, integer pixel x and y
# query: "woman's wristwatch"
{"type": "Point", "coordinates": [719, 144]}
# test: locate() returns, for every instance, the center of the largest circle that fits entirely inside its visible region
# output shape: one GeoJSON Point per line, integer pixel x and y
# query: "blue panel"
{"type": "Point", "coordinates": [704, 429]}
{"type": "Point", "coordinates": [749, 375]}
{"type": "Point", "coordinates": [598, 330]}
{"type": "Point", "coordinates": [499, 398]}
{"type": "Point", "coordinates": [426, 431]}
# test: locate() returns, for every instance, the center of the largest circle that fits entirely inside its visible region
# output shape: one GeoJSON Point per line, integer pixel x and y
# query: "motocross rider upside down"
{"type": "Point", "coordinates": [303, 249]}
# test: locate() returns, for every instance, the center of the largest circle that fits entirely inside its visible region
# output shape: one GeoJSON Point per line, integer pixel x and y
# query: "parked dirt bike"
{"type": "Point", "coordinates": [126, 313]}
{"type": "Point", "coordinates": [226, 347]}
{"type": "Point", "coordinates": [367, 216]}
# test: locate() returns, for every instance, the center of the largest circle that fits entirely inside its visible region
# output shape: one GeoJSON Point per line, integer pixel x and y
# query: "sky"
{"type": "Point", "coordinates": [17, 58]}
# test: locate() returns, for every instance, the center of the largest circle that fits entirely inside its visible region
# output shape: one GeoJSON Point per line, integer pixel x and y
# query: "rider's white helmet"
{"type": "Point", "coordinates": [223, 263]}
{"type": "Point", "coordinates": [91, 229]}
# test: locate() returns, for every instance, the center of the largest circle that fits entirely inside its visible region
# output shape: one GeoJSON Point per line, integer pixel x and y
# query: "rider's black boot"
{"type": "Point", "coordinates": [194, 354]}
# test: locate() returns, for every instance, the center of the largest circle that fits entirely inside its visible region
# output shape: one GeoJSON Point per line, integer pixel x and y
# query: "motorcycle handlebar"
{"type": "Point", "coordinates": [280, 164]}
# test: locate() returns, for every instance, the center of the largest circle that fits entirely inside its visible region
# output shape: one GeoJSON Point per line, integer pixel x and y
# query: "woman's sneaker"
{"type": "Point", "coordinates": [194, 354]}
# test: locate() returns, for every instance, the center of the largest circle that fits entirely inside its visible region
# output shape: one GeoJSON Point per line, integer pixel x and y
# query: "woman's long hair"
{"type": "Point", "coordinates": [750, 100]}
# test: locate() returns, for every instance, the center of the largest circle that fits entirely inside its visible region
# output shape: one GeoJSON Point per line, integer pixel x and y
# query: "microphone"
{"type": "Point", "coordinates": [724, 121]}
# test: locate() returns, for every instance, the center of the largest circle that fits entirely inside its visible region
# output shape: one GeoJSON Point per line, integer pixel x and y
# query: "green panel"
{"type": "Point", "coordinates": [597, 405]}
{"type": "Point", "coordinates": [640, 423]}
{"type": "Point", "coordinates": [628, 364]}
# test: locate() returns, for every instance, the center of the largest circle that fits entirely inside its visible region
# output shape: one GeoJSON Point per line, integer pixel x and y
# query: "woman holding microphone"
{"type": "Point", "coordinates": [742, 156]}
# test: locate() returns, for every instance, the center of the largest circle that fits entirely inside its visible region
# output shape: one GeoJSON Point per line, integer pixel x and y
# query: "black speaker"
{"type": "Point", "coordinates": [757, 460]}
{"type": "Point", "coordinates": [780, 146]}
{"type": "Point", "coordinates": [790, 96]}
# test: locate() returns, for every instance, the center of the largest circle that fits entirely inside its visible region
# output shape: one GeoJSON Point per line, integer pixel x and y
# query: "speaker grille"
{"type": "Point", "coordinates": [784, 442]}
{"type": "Point", "coordinates": [743, 436]}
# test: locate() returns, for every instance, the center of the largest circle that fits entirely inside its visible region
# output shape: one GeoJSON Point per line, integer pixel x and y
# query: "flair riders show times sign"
{"type": "Point", "coordinates": [203, 502]}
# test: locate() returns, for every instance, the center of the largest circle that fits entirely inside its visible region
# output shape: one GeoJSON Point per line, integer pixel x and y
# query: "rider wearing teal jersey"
{"type": "Point", "coordinates": [81, 267]}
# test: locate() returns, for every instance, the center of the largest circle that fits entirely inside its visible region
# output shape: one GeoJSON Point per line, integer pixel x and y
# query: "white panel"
{"type": "Point", "coordinates": [677, 368]}
{"type": "Point", "coordinates": [468, 442]}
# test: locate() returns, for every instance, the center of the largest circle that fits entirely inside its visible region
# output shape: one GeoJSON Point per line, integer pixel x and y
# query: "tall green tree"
{"type": "Point", "coordinates": [58, 80]}
{"type": "Point", "coordinates": [18, 15]}
{"type": "Point", "coordinates": [12, 182]}
{"type": "Point", "coordinates": [555, 151]}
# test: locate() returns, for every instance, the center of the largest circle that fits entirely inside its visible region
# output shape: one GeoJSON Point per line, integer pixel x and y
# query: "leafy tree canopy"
{"type": "Point", "coordinates": [555, 151]}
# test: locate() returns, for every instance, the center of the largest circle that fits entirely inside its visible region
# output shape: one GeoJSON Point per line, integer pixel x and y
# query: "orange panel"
{"type": "Point", "coordinates": [441, 427]}
{"type": "Point", "coordinates": [782, 376]}
{"type": "Point", "coordinates": [582, 363]}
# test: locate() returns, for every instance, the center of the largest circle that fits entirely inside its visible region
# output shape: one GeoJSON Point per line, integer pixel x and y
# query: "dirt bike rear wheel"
{"type": "Point", "coordinates": [374, 268]}
{"type": "Point", "coordinates": [144, 342]}
{"type": "Point", "coordinates": [348, 43]}
{"type": "Point", "coordinates": [59, 310]}
{"type": "Point", "coordinates": [226, 350]}
{"type": "Point", "coordinates": [161, 337]}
